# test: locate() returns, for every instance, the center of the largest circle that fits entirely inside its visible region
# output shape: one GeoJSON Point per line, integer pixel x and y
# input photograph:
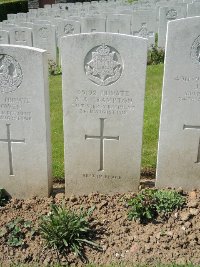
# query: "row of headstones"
{"type": "Point", "coordinates": [98, 4]}
{"type": "Point", "coordinates": [142, 24]}
{"type": "Point", "coordinates": [103, 102]}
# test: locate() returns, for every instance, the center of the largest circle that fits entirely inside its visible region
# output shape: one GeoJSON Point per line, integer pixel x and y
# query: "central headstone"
{"type": "Point", "coordinates": [103, 100]}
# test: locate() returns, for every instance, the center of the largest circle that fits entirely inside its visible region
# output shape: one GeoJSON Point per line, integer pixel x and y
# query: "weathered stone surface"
{"type": "Point", "coordinates": [4, 37]}
{"type": "Point", "coordinates": [21, 36]}
{"type": "Point", "coordinates": [44, 37]}
{"type": "Point", "coordinates": [167, 14]}
{"type": "Point", "coordinates": [93, 24]}
{"type": "Point", "coordinates": [118, 23]}
{"type": "Point", "coordinates": [179, 146]}
{"type": "Point", "coordinates": [25, 165]}
{"type": "Point", "coordinates": [103, 94]}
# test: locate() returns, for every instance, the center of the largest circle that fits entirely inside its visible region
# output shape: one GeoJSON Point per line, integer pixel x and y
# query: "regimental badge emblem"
{"type": "Point", "coordinates": [171, 14]}
{"type": "Point", "coordinates": [103, 65]}
{"type": "Point", "coordinates": [10, 74]}
{"type": "Point", "coordinates": [43, 32]}
{"type": "Point", "coordinates": [195, 51]}
{"type": "Point", "coordinates": [69, 29]}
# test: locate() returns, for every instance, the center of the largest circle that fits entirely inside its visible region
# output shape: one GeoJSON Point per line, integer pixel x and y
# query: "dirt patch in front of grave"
{"type": "Point", "coordinates": [174, 240]}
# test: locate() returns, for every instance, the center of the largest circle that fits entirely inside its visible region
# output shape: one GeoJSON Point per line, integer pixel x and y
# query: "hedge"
{"type": "Point", "coordinates": [12, 8]}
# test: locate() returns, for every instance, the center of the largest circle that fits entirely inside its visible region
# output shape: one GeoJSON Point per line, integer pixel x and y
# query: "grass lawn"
{"type": "Point", "coordinates": [151, 120]}
{"type": "Point", "coordinates": [152, 115]}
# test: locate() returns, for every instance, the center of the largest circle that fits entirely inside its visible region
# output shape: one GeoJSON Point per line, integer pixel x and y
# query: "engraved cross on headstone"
{"type": "Point", "coordinates": [185, 127]}
{"type": "Point", "coordinates": [9, 140]}
{"type": "Point", "coordinates": [101, 137]}
{"type": "Point", "coordinates": [143, 32]}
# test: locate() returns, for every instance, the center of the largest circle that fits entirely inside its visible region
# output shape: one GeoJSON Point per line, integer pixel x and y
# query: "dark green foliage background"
{"type": "Point", "coordinates": [12, 8]}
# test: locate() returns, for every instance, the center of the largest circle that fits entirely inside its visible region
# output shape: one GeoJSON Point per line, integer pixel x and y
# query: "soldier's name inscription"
{"type": "Point", "coordinates": [103, 102]}
{"type": "Point", "coordinates": [15, 108]}
{"type": "Point", "coordinates": [190, 88]}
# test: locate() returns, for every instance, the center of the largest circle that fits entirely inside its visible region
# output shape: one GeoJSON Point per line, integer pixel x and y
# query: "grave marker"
{"type": "Point", "coordinates": [179, 149]}
{"type": "Point", "coordinates": [103, 111]}
{"type": "Point", "coordinates": [93, 24]}
{"type": "Point", "coordinates": [118, 23]}
{"type": "Point", "coordinates": [21, 36]}
{"type": "Point", "coordinates": [167, 14]}
{"type": "Point", "coordinates": [44, 37]}
{"type": "Point", "coordinates": [4, 37]}
{"type": "Point", "coordinates": [25, 165]}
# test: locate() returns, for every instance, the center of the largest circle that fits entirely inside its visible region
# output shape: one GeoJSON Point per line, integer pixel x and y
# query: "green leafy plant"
{"type": "Point", "coordinates": [155, 55]}
{"type": "Point", "coordinates": [67, 231]}
{"type": "Point", "coordinates": [142, 206]}
{"type": "Point", "coordinates": [150, 203]}
{"type": "Point", "coordinates": [54, 69]}
{"type": "Point", "coordinates": [3, 197]}
{"type": "Point", "coordinates": [167, 201]}
{"type": "Point", "coordinates": [15, 232]}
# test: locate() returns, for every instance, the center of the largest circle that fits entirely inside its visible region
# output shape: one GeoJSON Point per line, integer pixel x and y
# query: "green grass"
{"type": "Point", "coordinates": [152, 115]}
{"type": "Point", "coordinates": [151, 120]}
{"type": "Point", "coordinates": [55, 84]}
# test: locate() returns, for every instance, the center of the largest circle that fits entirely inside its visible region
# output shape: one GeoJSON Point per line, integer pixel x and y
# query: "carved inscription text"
{"type": "Point", "coordinates": [15, 109]}
{"type": "Point", "coordinates": [105, 102]}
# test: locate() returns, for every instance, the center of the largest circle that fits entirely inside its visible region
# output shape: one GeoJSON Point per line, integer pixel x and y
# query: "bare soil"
{"type": "Point", "coordinates": [175, 240]}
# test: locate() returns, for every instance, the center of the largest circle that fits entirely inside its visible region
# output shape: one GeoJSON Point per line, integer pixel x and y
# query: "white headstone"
{"type": "Point", "coordinates": [21, 17]}
{"type": "Point", "coordinates": [145, 33]}
{"type": "Point", "coordinates": [68, 27]}
{"type": "Point", "coordinates": [193, 9]}
{"type": "Point", "coordinates": [11, 17]}
{"type": "Point", "coordinates": [21, 36]}
{"type": "Point", "coordinates": [103, 101]}
{"type": "Point", "coordinates": [26, 24]}
{"type": "Point", "coordinates": [118, 23]}
{"type": "Point", "coordinates": [71, 27]}
{"type": "Point", "coordinates": [144, 16]}
{"type": "Point", "coordinates": [42, 12]}
{"type": "Point", "coordinates": [179, 142]}
{"type": "Point", "coordinates": [44, 37]}
{"type": "Point", "coordinates": [7, 26]}
{"type": "Point", "coordinates": [25, 165]}
{"type": "Point", "coordinates": [167, 14]}
{"type": "Point", "coordinates": [93, 24]}
{"type": "Point", "coordinates": [4, 37]}
{"type": "Point", "coordinates": [31, 17]}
